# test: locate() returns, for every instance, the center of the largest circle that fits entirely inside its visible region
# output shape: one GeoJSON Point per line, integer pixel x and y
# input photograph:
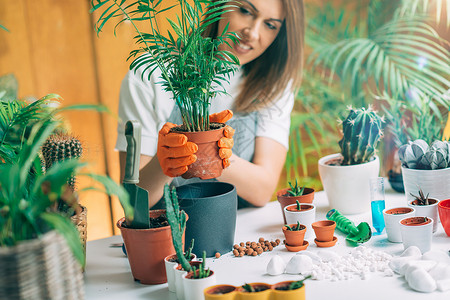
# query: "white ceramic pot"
{"type": "Point", "coordinates": [305, 217]}
{"type": "Point", "coordinates": [170, 273]}
{"type": "Point", "coordinates": [193, 288]}
{"type": "Point", "coordinates": [430, 211]}
{"type": "Point", "coordinates": [392, 217]}
{"type": "Point", "coordinates": [418, 235]}
{"type": "Point", "coordinates": [179, 289]}
{"type": "Point", "coordinates": [347, 187]}
{"type": "Point", "coordinates": [436, 183]}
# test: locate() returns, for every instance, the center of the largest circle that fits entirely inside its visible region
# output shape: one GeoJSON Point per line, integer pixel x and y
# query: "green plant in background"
{"type": "Point", "coordinates": [362, 131]}
{"type": "Point", "coordinates": [192, 67]}
{"type": "Point", "coordinates": [296, 190]}
{"type": "Point", "coordinates": [177, 222]}
{"type": "Point", "coordinates": [201, 272]}
{"type": "Point", "coordinates": [28, 193]}
{"type": "Point", "coordinates": [361, 52]}
{"type": "Point", "coordinates": [297, 227]}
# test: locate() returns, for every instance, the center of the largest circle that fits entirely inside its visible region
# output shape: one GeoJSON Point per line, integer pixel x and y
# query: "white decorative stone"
{"type": "Point", "coordinates": [327, 255]}
{"type": "Point", "coordinates": [440, 271]}
{"type": "Point", "coordinates": [299, 264]}
{"type": "Point", "coordinates": [437, 256]}
{"type": "Point", "coordinates": [424, 264]}
{"type": "Point", "coordinates": [421, 281]}
{"type": "Point", "coordinates": [315, 258]}
{"type": "Point", "coordinates": [388, 273]}
{"type": "Point", "coordinates": [412, 251]}
{"type": "Point", "coordinates": [398, 262]}
{"type": "Point", "coordinates": [276, 266]}
{"type": "Point", "coordinates": [443, 285]}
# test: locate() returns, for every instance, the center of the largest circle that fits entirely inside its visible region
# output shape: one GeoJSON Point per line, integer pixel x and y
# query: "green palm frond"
{"type": "Point", "coordinates": [438, 8]}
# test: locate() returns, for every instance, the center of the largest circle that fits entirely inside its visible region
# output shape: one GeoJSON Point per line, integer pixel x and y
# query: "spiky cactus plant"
{"type": "Point", "coordinates": [60, 147]}
{"type": "Point", "coordinates": [362, 131]}
{"type": "Point", "coordinates": [177, 222]}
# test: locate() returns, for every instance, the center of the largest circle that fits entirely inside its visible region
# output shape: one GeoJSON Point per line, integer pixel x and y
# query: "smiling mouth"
{"type": "Point", "coordinates": [243, 48]}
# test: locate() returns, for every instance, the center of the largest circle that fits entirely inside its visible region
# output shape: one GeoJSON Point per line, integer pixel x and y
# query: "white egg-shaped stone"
{"type": "Point", "coordinates": [419, 280]}
{"type": "Point", "coordinates": [412, 251]}
{"type": "Point", "coordinates": [437, 255]}
{"type": "Point", "coordinates": [299, 264]}
{"type": "Point", "coordinates": [397, 263]}
{"type": "Point", "coordinates": [440, 271]}
{"type": "Point", "coordinates": [424, 264]}
{"type": "Point", "coordinates": [276, 266]}
{"type": "Point", "coordinates": [315, 258]}
{"type": "Point", "coordinates": [443, 285]}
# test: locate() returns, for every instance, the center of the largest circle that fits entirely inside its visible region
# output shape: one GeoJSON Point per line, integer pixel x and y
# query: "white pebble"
{"type": "Point", "coordinates": [299, 264]}
{"type": "Point", "coordinates": [388, 273]}
{"type": "Point", "coordinates": [424, 264]}
{"type": "Point", "coordinates": [412, 251]}
{"type": "Point", "coordinates": [276, 266]}
{"type": "Point", "coordinates": [327, 255]}
{"type": "Point", "coordinates": [315, 258]}
{"type": "Point", "coordinates": [440, 271]}
{"type": "Point", "coordinates": [421, 281]}
{"type": "Point", "coordinates": [437, 256]}
{"type": "Point", "coordinates": [443, 285]}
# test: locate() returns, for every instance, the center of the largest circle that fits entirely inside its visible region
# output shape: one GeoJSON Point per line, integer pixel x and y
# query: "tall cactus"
{"type": "Point", "coordinates": [177, 222]}
{"type": "Point", "coordinates": [60, 147]}
{"type": "Point", "coordinates": [362, 131]}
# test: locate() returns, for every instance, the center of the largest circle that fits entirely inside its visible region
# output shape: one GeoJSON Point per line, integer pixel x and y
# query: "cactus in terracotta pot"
{"type": "Point", "coordinates": [295, 190]}
{"type": "Point", "coordinates": [362, 132]}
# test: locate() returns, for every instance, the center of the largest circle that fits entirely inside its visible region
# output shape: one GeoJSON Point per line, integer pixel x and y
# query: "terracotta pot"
{"type": "Point", "coordinates": [444, 215]}
{"type": "Point", "coordinates": [221, 292]}
{"type": "Point", "coordinates": [392, 219]}
{"type": "Point", "coordinates": [417, 231]}
{"type": "Point", "coordinates": [430, 211]}
{"type": "Point", "coordinates": [280, 293]}
{"type": "Point", "coordinates": [306, 216]}
{"type": "Point", "coordinates": [208, 164]}
{"type": "Point", "coordinates": [324, 230]}
{"type": "Point", "coordinates": [294, 237]}
{"type": "Point", "coordinates": [264, 294]}
{"type": "Point", "coordinates": [169, 263]}
{"type": "Point", "coordinates": [193, 288]}
{"type": "Point", "coordinates": [285, 200]}
{"type": "Point", "coordinates": [146, 250]}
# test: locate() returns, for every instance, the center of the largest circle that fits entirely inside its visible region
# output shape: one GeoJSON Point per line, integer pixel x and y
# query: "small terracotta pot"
{"type": "Point", "coordinates": [444, 215]}
{"type": "Point", "coordinates": [324, 230]}
{"type": "Point", "coordinates": [294, 237]}
{"type": "Point", "coordinates": [221, 292]}
{"type": "Point", "coordinates": [208, 164]}
{"type": "Point", "coordinates": [417, 231]}
{"type": "Point", "coordinates": [392, 219]}
{"type": "Point", "coordinates": [285, 200]}
{"type": "Point", "coordinates": [283, 294]}
{"type": "Point", "coordinates": [261, 295]}
{"type": "Point", "coordinates": [146, 250]}
{"type": "Point", "coordinates": [306, 216]}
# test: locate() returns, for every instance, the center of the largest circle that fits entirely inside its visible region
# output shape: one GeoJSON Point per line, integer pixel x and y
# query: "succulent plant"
{"type": "Point", "coordinates": [421, 199]}
{"type": "Point", "coordinates": [296, 190]}
{"type": "Point", "coordinates": [297, 227]}
{"type": "Point", "coordinates": [298, 284]}
{"type": "Point", "coordinates": [201, 272]}
{"type": "Point", "coordinates": [362, 131]}
{"type": "Point", "coordinates": [418, 155]}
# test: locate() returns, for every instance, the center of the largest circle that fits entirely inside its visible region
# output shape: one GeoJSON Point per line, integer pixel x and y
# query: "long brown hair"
{"type": "Point", "coordinates": [268, 76]}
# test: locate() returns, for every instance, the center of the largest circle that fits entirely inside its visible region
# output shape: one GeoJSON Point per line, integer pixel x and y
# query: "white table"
{"type": "Point", "coordinates": [108, 275]}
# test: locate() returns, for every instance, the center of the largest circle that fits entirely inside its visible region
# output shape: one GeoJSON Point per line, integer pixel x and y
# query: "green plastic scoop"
{"type": "Point", "coordinates": [356, 234]}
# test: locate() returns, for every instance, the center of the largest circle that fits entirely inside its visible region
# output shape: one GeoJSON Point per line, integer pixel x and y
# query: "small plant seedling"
{"type": "Point", "coordinates": [201, 272]}
{"type": "Point", "coordinates": [297, 227]}
{"type": "Point", "coordinates": [298, 284]}
{"type": "Point", "coordinates": [248, 288]}
{"type": "Point", "coordinates": [299, 207]}
{"type": "Point", "coordinates": [296, 190]}
{"type": "Point", "coordinates": [421, 199]}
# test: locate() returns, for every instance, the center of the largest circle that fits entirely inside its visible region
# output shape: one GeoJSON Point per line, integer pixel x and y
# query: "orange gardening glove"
{"type": "Point", "coordinates": [174, 152]}
{"type": "Point", "coordinates": [226, 143]}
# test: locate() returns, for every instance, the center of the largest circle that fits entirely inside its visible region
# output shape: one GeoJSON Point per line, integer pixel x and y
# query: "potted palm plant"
{"type": "Point", "coordinates": [426, 166]}
{"type": "Point", "coordinates": [191, 64]}
{"type": "Point", "coordinates": [34, 231]}
{"type": "Point", "coordinates": [345, 176]}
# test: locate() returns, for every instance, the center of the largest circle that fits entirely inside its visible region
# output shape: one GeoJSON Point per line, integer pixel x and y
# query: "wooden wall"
{"type": "Point", "coordinates": [51, 47]}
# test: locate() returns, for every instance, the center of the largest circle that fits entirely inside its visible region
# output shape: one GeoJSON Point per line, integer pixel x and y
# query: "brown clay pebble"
{"type": "Point", "coordinates": [254, 253]}
{"type": "Point", "coordinates": [270, 248]}
{"type": "Point", "coordinates": [241, 249]}
{"type": "Point", "coordinates": [217, 254]}
{"type": "Point", "coordinates": [250, 251]}
{"type": "Point", "coordinates": [236, 246]}
{"type": "Point", "coordinates": [277, 241]}
{"type": "Point", "coordinates": [273, 244]}
{"type": "Point", "coordinates": [235, 252]}
{"type": "Point", "coordinates": [261, 239]}
{"type": "Point", "coordinates": [248, 243]}
{"type": "Point", "coordinates": [241, 254]}
{"type": "Point", "coordinates": [242, 244]}
{"type": "Point", "coordinates": [260, 251]}
{"type": "Point", "coordinates": [258, 244]}
{"type": "Point", "coordinates": [284, 242]}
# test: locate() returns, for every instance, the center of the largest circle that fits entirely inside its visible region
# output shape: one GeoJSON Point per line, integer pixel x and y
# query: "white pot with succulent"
{"type": "Point", "coordinates": [425, 207]}
{"type": "Point", "coordinates": [427, 167]}
{"type": "Point", "coordinates": [345, 177]}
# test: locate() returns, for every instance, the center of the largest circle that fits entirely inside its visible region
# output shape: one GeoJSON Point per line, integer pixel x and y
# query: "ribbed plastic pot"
{"type": "Point", "coordinates": [280, 293]}
{"type": "Point", "coordinates": [212, 208]}
{"type": "Point", "coordinates": [146, 250]}
{"type": "Point", "coordinates": [208, 164]}
{"type": "Point", "coordinates": [285, 200]}
{"type": "Point", "coordinates": [430, 181]}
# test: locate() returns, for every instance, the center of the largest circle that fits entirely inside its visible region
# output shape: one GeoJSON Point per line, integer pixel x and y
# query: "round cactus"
{"type": "Point", "coordinates": [418, 155]}
{"type": "Point", "coordinates": [362, 131]}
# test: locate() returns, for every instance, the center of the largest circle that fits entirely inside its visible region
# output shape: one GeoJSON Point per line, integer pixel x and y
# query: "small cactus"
{"type": "Point", "coordinates": [296, 190]}
{"type": "Point", "coordinates": [421, 199]}
{"type": "Point", "coordinates": [362, 131]}
{"type": "Point", "coordinates": [418, 155]}
{"type": "Point", "coordinates": [60, 147]}
{"type": "Point", "coordinates": [201, 272]}
{"type": "Point", "coordinates": [297, 227]}
{"type": "Point", "coordinates": [177, 222]}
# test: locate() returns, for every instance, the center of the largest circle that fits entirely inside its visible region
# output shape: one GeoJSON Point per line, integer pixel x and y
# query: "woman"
{"type": "Point", "coordinates": [270, 52]}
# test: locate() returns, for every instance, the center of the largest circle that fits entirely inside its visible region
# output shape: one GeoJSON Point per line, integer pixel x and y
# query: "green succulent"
{"type": "Point", "coordinates": [297, 227]}
{"type": "Point", "coordinates": [418, 155]}
{"type": "Point", "coordinates": [296, 190]}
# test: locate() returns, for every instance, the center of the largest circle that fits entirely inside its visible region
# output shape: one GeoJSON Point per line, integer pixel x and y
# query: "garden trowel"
{"type": "Point", "coordinates": [138, 196]}
{"type": "Point", "coordinates": [356, 234]}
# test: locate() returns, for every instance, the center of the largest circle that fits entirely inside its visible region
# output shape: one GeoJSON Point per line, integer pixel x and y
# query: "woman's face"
{"type": "Point", "coordinates": [257, 23]}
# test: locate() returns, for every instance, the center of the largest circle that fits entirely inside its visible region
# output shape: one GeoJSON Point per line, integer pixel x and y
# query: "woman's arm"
{"type": "Point", "coordinates": [256, 181]}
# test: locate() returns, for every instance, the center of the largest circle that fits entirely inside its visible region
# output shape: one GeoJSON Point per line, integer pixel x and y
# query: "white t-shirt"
{"type": "Point", "coordinates": [146, 101]}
